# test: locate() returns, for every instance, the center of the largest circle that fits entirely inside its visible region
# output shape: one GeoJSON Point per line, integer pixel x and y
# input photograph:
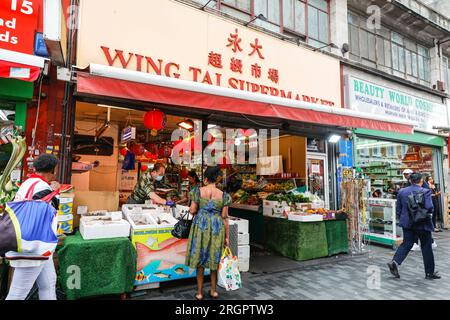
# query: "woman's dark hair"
{"type": "Point", "coordinates": [428, 177]}
{"type": "Point", "coordinates": [212, 173]}
{"type": "Point", "coordinates": [194, 175]}
{"type": "Point", "coordinates": [45, 163]}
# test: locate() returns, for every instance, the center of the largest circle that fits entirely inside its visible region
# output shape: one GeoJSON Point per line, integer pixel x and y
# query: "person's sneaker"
{"type": "Point", "coordinates": [432, 276]}
{"type": "Point", "coordinates": [415, 247]}
{"type": "Point", "coordinates": [434, 245]}
{"type": "Point", "coordinates": [393, 268]}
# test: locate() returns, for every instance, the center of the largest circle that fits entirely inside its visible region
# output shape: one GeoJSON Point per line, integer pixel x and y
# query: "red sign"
{"type": "Point", "coordinates": [18, 24]}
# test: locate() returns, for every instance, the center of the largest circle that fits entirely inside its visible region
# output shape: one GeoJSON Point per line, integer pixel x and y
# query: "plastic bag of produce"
{"type": "Point", "coordinates": [228, 273]}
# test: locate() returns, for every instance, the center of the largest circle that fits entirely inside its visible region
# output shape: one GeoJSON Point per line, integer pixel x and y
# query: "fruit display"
{"type": "Point", "coordinates": [280, 186]}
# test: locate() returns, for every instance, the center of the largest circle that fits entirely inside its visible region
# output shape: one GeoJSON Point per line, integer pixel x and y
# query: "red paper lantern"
{"type": "Point", "coordinates": [154, 157]}
{"type": "Point", "coordinates": [144, 168]}
{"type": "Point", "coordinates": [123, 151]}
{"type": "Point", "coordinates": [148, 154]}
{"type": "Point", "coordinates": [155, 120]}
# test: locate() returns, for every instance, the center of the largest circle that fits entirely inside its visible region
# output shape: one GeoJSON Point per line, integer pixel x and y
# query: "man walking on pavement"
{"type": "Point", "coordinates": [414, 208]}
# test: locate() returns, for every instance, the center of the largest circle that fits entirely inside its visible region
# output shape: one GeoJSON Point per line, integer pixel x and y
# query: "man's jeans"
{"type": "Point", "coordinates": [426, 241]}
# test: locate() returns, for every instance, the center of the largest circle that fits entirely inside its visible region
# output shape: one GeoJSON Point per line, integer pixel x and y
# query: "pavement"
{"type": "Point", "coordinates": [343, 277]}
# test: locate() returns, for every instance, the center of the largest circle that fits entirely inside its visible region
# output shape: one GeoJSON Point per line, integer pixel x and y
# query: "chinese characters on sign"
{"type": "Point", "coordinates": [238, 63]}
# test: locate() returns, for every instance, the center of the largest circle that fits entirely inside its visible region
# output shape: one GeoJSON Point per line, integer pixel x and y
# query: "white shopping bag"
{"type": "Point", "coordinates": [229, 276]}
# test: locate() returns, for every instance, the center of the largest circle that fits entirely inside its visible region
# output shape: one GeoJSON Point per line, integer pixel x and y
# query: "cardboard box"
{"type": "Point", "coordinates": [244, 265]}
{"type": "Point", "coordinates": [95, 200]}
{"type": "Point", "coordinates": [243, 239]}
{"type": "Point", "coordinates": [242, 224]}
{"type": "Point", "coordinates": [244, 252]}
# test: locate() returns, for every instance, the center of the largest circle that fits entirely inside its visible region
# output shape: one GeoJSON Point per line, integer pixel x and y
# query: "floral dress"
{"type": "Point", "coordinates": [207, 234]}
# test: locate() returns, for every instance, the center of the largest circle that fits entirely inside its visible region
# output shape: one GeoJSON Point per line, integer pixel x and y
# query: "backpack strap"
{"type": "Point", "coordinates": [48, 198]}
{"type": "Point", "coordinates": [30, 192]}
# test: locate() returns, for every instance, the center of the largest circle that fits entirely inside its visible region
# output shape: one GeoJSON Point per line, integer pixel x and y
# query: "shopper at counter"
{"type": "Point", "coordinates": [145, 188]}
{"type": "Point", "coordinates": [194, 184]}
{"type": "Point", "coordinates": [209, 231]}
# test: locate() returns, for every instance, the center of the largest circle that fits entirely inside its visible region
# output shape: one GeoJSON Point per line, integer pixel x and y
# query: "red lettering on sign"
{"type": "Point", "coordinates": [256, 48]}
{"type": "Point", "coordinates": [119, 55]}
{"type": "Point", "coordinates": [273, 75]}
{"type": "Point", "coordinates": [236, 65]}
{"type": "Point", "coordinates": [306, 98]}
{"type": "Point", "coordinates": [169, 73]}
{"type": "Point", "coordinates": [139, 62]}
{"type": "Point", "coordinates": [284, 95]}
{"type": "Point", "coordinates": [151, 63]}
{"type": "Point", "coordinates": [264, 89]}
{"type": "Point", "coordinates": [274, 92]}
{"type": "Point", "coordinates": [215, 59]}
{"type": "Point", "coordinates": [207, 78]}
{"type": "Point", "coordinates": [233, 83]}
{"type": "Point", "coordinates": [195, 73]}
{"type": "Point", "coordinates": [256, 70]}
{"type": "Point", "coordinates": [234, 42]}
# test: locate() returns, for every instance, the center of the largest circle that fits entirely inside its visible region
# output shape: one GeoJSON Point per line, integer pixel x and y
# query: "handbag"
{"type": "Point", "coordinates": [27, 226]}
{"type": "Point", "coordinates": [228, 273]}
{"type": "Point", "coordinates": [182, 228]}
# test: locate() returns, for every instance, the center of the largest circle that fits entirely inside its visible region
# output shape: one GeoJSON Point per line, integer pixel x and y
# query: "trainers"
{"type": "Point", "coordinates": [415, 247]}
{"type": "Point", "coordinates": [434, 245]}
{"type": "Point", "coordinates": [393, 268]}
{"type": "Point", "coordinates": [432, 276]}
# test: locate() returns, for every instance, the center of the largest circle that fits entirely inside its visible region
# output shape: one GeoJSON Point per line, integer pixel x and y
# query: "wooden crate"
{"type": "Point", "coordinates": [446, 212]}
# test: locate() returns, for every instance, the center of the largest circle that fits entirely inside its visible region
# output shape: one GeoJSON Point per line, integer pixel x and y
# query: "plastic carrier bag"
{"type": "Point", "coordinates": [228, 273]}
{"type": "Point", "coordinates": [28, 226]}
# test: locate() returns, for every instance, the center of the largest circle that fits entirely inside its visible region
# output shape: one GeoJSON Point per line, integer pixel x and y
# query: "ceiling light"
{"type": "Point", "coordinates": [112, 107]}
{"type": "Point", "coordinates": [187, 124]}
{"type": "Point", "coordinates": [334, 138]}
{"type": "Point", "coordinates": [237, 142]}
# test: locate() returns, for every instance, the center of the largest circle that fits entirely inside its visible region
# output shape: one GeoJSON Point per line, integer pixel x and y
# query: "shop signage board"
{"type": "Point", "coordinates": [171, 39]}
{"type": "Point", "coordinates": [372, 98]}
{"type": "Point", "coordinates": [18, 24]}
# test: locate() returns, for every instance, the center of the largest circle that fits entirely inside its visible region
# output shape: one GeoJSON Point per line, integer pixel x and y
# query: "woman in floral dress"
{"type": "Point", "coordinates": [209, 231]}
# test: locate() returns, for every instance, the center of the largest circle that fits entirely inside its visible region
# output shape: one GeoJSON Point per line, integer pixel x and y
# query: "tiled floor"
{"type": "Point", "coordinates": [344, 277]}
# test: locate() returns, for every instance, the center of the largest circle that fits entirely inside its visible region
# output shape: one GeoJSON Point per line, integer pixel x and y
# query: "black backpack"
{"type": "Point", "coordinates": [416, 207]}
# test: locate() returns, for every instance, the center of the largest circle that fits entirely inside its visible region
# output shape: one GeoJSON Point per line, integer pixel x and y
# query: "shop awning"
{"type": "Point", "coordinates": [105, 81]}
{"type": "Point", "coordinates": [16, 65]}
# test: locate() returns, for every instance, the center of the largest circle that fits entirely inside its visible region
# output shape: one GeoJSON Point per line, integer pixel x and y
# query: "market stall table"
{"type": "Point", "coordinates": [105, 266]}
{"type": "Point", "coordinates": [306, 240]}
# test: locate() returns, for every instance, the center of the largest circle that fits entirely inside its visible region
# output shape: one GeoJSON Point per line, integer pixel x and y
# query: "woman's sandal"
{"type": "Point", "coordinates": [214, 295]}
{"type": "Point", "coordinates": [199, 297]}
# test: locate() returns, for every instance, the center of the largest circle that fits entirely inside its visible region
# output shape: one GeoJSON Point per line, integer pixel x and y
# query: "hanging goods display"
{"type": "Point", "coordinates": [354, 203]}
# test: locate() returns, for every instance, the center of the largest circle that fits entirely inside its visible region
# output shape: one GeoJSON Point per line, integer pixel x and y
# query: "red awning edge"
{"type": "Point", "coordinates": [88, 84]}
{"type": "Point", "coordinates": [19, 71]}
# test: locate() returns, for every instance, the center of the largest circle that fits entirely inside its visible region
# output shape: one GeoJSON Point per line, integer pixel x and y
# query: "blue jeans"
{"type": "Point", "coordinates": [409, 236]}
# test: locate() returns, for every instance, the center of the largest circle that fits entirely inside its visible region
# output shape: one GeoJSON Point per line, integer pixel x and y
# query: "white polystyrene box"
{"type": "Point", "coordinates": [244, 252]}
{"type": "Point", "coordinates": [244, 264]}
{"type": "Point", "coordinates": [114, 229]}
{"type": "Point", "coordinates": [243, 239]}
{"type": "Point", "coordinates": [242, 224]}
{"type": "Point", "coordinates": [308, 218]}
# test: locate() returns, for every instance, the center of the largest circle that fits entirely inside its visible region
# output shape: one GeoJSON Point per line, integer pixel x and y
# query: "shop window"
{"type": "Point", "coordinates": [383, 163]}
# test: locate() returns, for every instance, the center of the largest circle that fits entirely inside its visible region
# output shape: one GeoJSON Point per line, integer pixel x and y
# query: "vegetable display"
{"type": "Point", "coordinates": [289, 198]}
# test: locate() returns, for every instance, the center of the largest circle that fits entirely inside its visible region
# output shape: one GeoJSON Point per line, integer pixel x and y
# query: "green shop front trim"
{"type": "Point", "coordinates": [415, 138]}
{"type": "Point", "coordinates": [14, 95]}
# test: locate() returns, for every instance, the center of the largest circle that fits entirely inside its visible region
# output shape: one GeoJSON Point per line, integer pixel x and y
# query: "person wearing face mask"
{"type": "Point", "coordinates": [145, 188]}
